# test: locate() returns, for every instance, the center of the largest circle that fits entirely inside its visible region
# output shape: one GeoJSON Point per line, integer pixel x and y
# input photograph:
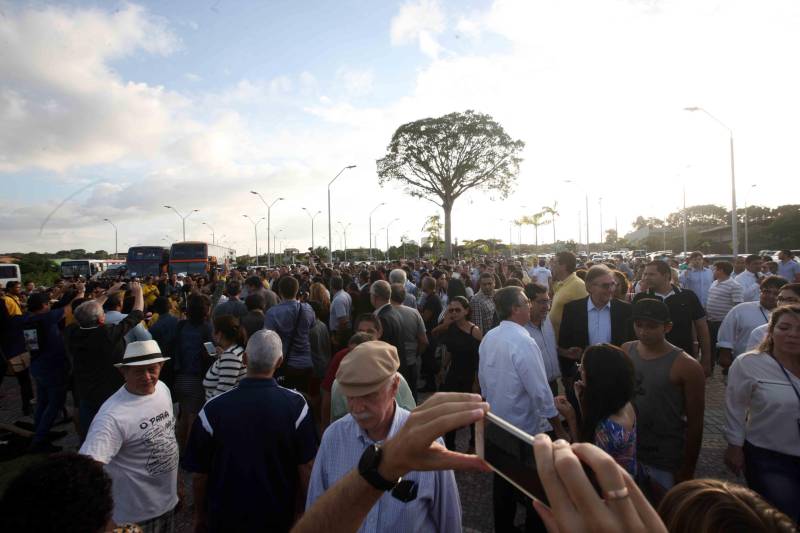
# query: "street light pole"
{"type": "Point", "coordinates": [275, 238]}
{"type": "Point", "coordinates": [734, 218]}
{"type": "Point", "coordinates": [269, 214]}
{"type": "Point", "coordinates": [369, 255]}
{"type": "Point", "coordinates": [183, 218]}
{"type": "Point", "coordinates": [330, 239]}
{"type": "Point", "coordinates": [685, 240]}
{"type": "Point", "coordinates": [344, 235]}
{"type": "Point", "coordinates": [387, 236]}
{"type": "Point", "coordinates": [213, 240]}
{"type": "Point", "coordinates": [312, 217]}
{"type": "Point", "coordinates": [115, 237]}
{"type": "Point", "coordinates": [600, 210]}
{"type": "Point", "coordinates": [255, 231]}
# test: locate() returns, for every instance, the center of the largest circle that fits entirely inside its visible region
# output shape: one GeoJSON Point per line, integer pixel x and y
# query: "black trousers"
{"type": "Point", "coordinates": [504, 504]}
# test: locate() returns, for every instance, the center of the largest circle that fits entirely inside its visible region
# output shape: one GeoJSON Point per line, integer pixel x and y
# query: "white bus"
{"type": "Point", "coordinates": [9, 272]}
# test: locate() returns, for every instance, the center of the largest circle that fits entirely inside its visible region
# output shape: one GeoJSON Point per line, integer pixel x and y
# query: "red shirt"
{"type": "Point", "coordinates": [333, 367]}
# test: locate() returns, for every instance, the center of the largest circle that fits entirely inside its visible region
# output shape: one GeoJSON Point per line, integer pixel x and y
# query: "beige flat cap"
{"type": "Point", "coordinates": [365, 369]}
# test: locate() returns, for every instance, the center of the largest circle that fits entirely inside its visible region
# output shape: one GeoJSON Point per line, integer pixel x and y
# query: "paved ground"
{"type": "Point", "coordinates": [475, 488]}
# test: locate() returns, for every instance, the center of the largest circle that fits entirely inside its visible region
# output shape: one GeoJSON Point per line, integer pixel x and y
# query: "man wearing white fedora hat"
{"type": "Point", "coordinates": [133, 435]}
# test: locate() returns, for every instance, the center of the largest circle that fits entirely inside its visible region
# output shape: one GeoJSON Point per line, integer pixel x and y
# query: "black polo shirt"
{"type": "Point", "coordinates": [250, 441]}
{"type": "Point", "coordinates": [684, 308]}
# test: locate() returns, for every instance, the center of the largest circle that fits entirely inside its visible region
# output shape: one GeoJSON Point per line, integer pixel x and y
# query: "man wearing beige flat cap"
{"type": "Point", "coordinates": [420, 501]}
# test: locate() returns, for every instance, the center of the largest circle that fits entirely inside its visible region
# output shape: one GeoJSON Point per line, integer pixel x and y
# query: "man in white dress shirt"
{"type": "Point", "coordinates": [541, 330]}
{"type": "Point", "coordinates": [735, 330]}
{"type": "Point", "coordinates": [750, 279]}
{"type": "Point", "coordinates": [513, 380]}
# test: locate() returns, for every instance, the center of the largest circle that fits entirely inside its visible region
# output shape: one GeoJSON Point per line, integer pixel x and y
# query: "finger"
{"type": "Point", "coordinates": [609, 477]}
{"type": "Point", "coordinates": [447, 417]}
{"type": "Point", "coordinates": [424, 416]}
{"type": "Point", "coordinates": [650, 519]}
{"type": "Point", "coordinates": [580, 490]}
{"type": "Point", "coordinates": [442, 397]}
{"type": "Point", "coordinates": [440, 458]}
{"type": "Point", "coordinates": [557, 495]}
{"type": "Point", "coordinates": [546, 515]}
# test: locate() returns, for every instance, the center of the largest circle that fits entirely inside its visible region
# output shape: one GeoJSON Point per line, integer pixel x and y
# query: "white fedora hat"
{"type": "Point", "coordinates": [142, 353]}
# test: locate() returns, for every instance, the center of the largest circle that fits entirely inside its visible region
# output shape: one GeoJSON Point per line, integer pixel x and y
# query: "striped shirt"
{"type": "Point", "coordinates": [225, 373]}
{"type": "Point", "coordinates": [722, 297]}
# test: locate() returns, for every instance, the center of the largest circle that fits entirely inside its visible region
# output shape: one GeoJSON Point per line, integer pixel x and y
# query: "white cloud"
{"type": "Point", "coordinates": [419, 22]}
{"type": "Point", "coordinates": [357, 82]}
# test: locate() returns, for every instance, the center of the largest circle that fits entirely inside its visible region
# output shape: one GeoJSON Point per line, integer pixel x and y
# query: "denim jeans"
{"type": "Point", "coordinates": [775, 476]}
{"type": "Point", "coordinates": [50, 399]}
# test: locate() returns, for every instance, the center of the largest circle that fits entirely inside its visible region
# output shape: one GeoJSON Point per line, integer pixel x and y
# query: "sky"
{"type": "Point", "coordinates": [111, 110]}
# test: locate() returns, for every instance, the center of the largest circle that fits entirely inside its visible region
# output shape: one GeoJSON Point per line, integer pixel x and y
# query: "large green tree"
{"type": "Point", "coordinates": [439, 159]}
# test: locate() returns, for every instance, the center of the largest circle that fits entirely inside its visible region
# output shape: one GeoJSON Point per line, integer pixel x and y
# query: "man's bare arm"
{"type": "Point", "coordinates": [703, 335]}
{"type": "Point", "coordinates": [693, 381]}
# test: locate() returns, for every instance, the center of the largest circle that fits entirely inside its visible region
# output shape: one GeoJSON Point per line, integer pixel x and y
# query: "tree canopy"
{"type": "Point", "coordinates": [439, 159]}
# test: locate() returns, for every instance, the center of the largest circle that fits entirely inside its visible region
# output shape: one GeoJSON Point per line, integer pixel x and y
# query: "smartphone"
{"type": "Point", "coordinates": [210, 348]}
{"type": "Point", "coordinates": [509, 451]}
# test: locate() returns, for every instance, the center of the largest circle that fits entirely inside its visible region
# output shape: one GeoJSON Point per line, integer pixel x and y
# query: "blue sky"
{"type": "Point", "coordinates": [196, 103]}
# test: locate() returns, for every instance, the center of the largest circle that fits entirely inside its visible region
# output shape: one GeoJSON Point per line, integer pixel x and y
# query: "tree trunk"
{"type": "Point", "coordinates": [554, 230]}
{"type": "Point", "coordinates": [536, 232]}
{"type": "Point", "coordinates": [447, 206]}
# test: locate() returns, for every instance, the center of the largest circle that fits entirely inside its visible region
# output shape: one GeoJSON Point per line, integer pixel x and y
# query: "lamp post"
{"type": "Point", "coordinates": [213, 240]}
{"type": "Point", "coordinates": [269, 213]}
{"type": "Point", "coordinates": [330, 240]}
{"type": "Point", "coordinates": [746, 223]}
{"type": "Point", "coordinates": [734, 224]}
{"type": "Point", "coordinates": [587, 217]}
{"type": "Point", "coordinates": [375, 239]}
{"type": "Point", "coordinates": [600, 211]}
{"type": "Point", "coordinates": [685, 239]}
{"type": "Point", "coordinates": [255, 231]}
{"type": "Point", "coordinates": [344, 235]}
{"type": "Point", "coordinates": [370, 228]}
{"type": "Point", "coordinates": [387, 236]}
{"type": "Point", "coordinates": [115, 236]}
{"type": "Point", "coordinates": [312, 217]}
{"type": "Point", "coordinates": [183, 218]}
{"type": "Point", "coordinates": [275, 237]}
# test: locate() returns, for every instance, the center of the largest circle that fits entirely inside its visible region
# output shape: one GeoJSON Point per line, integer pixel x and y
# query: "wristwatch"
{"type": "Point", "coordinates": [368, 468]}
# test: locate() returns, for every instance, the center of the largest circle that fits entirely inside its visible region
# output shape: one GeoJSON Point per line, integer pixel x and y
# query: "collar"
{"type": "Point", "coordinates": [378, 310]}
{"type": "Point", "coordinates": [590, 305]}
{"type": "Point", "coordinates": [247, 382]}
{"type": "Point", "coordinates": [674, 289]}
{"type": "Point", "coordinates": [571, 276]}
{"type": "Point", "coordinates": [394, 428]}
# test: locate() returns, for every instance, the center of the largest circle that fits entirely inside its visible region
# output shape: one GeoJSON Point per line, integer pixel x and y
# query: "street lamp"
{"type": "Point", "coordinates": [734, 224]}
{"type": "Point", "coordinates": [115, 236]}
{"type": "Point", "coordinates": [312, 217]}
{"type": "Point", "coordinates": [587, 217]}
{"type": "Point", "coordinates": [275, 238]}
{"type": "Point", "coordinates": [255, 231]}
{"type": "Point", "coordinates": [600, 210]}
{"type": "Point", "coordinates": [344, 234]}
{"type": "Point", "coordinates": [370, 228]}
{"type": "Point", "coordinates": [269, 213]}
{"type": "Point", "coordinates": [746, 222]}
{"type": "Point", "coordinates": [213, 240]}
{"type": "Point", "coordinates": [330, 240]}
{"type": "Point", "coordinates": [387, 236]}
{"type": "Point", "coordinates": [183, 218]}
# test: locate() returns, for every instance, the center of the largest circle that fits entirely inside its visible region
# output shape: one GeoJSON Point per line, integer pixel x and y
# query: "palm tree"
{"type": "Point", "coordinates": [535, 220]}
{"type": "Point", "coordinates": [552, 211]}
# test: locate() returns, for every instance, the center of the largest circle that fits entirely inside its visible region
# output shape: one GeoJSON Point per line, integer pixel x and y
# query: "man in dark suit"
{"type": "Point", "coordinates": [380, 293]}
{"type": "Point", "coordinates": [596, 319]}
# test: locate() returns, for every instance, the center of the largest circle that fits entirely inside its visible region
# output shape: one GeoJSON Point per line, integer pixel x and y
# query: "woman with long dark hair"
{"type": "Point", "coordinates": [605, 391]}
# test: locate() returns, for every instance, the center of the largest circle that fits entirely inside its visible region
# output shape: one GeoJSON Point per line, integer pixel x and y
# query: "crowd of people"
{"type": "Point", "coordinates": [282, 394]}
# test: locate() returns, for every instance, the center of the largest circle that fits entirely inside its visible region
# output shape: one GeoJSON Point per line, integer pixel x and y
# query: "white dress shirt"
{"type": "Point", "coordinates": [545, 337]}
{"type": "Point", "coordinates": [750, 285]}
{"type": "Point", "coordinates": [513, 379]}
{"type": "Point", "coordinates": [756, 337]}
{"type": "Point", "coordinates": [738, 324]}
{"type": "Point", "coordinates": [599, 322]}
{"type": "Point", "coordinates": [760, 405]}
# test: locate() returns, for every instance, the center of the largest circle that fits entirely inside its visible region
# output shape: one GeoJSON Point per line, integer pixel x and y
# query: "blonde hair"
{"type": "Point", "coordinates": [768, 345]}
{"type": "Point", "coordinates": [318, 293]}
{"type": "Point", "coordinates": [715, 506]}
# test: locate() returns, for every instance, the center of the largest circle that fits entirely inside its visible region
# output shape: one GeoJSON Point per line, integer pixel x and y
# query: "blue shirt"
{"type": "Point", "coordinates": [283, 319]}
{"type": "Point", "coordinates": [46, 346]}
{"type": "Point", "coordinates": [436, 508]}
{"type": "Point", "coordinates": [341, 307]}
{"type": "Point", "coordinates": [513, 379]}
{"type": "Point", "coordinates": [788, 269]}
{"type": "Point", "coordinates": [599, 322]}
{"type": "Point", "coordinates": [250, 441]}
{"type": "Point", "coordinates": [698, 281]}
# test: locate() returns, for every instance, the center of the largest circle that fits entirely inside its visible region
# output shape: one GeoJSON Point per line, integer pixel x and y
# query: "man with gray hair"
{"type": "Point", "coordinates": [398, 275]}
{"type": "Point", "coordinates": [252, 449]}
{"type": "Point", "coordinates": [380, 295]}
{"type": "Point", "coordinates": [95, 347]}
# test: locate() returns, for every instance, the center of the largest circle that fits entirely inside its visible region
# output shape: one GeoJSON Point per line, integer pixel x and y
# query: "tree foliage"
{"type": "Point", "coordinates": [439, 159]}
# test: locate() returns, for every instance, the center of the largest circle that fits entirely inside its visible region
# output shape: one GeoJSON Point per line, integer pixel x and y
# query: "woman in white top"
{"type": "Point", "coordinates": [228, 368]}
{"type": "Point", "coordinates": [762, 413]}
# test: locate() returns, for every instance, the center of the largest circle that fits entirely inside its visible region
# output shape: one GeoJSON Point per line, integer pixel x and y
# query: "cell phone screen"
{"type": "Point", "coordinates": [210, 348]}
{"type": "Point", "coordinates": [509, 451]}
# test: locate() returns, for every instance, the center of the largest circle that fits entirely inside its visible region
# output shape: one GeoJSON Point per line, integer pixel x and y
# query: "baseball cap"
{"type": "Point", "coordinates": [651, 309]}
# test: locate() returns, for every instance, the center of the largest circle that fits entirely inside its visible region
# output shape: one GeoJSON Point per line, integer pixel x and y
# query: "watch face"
{"type": "Point", "coordinates": [369, 459]}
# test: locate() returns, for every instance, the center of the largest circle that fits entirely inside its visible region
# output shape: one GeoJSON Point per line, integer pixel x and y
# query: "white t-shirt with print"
{"type": "Point", "coordinates": [134, 437]}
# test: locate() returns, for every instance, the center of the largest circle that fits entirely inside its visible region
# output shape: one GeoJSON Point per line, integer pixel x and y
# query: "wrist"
{"type": "Point", "coordinates": [389, 468]}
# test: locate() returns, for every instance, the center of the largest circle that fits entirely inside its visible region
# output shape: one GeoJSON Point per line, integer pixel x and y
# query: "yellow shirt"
{"type": "Point", "coordinates": [572, 288]}
{"type": "Point", "coordinates": [12, 305]}
{"type": "Point", "coordinates": [150, 293]}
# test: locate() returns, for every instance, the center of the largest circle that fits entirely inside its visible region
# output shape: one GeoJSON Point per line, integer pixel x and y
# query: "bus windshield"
{"type": "Point", "coordinates": [71, 269]}
{"type": "Point", "coordinates": [185, 250]}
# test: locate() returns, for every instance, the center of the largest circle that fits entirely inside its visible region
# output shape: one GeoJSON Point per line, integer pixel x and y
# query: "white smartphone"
{"type": "Point", "coordinates": [210, 348]}
{"type": "Point", "coordinates": [509, 451]}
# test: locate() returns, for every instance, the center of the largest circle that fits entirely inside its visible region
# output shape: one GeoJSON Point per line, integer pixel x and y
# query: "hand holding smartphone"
{"type": "Point", "coordinates": [210, 348]}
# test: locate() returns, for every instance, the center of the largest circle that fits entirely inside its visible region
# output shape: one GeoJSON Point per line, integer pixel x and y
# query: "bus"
{"type": "Point", "coordinates": [9, 272]}
{"type": "Point", "coordinates": [147, 261]}
{"type": "Point", "coordinates": [88, 268]}
{"type": "Point", "coordinates": [194, 257]}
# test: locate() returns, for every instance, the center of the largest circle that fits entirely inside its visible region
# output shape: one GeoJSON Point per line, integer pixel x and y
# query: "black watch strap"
{"type": "Point", "coordinates": [368, 468]}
